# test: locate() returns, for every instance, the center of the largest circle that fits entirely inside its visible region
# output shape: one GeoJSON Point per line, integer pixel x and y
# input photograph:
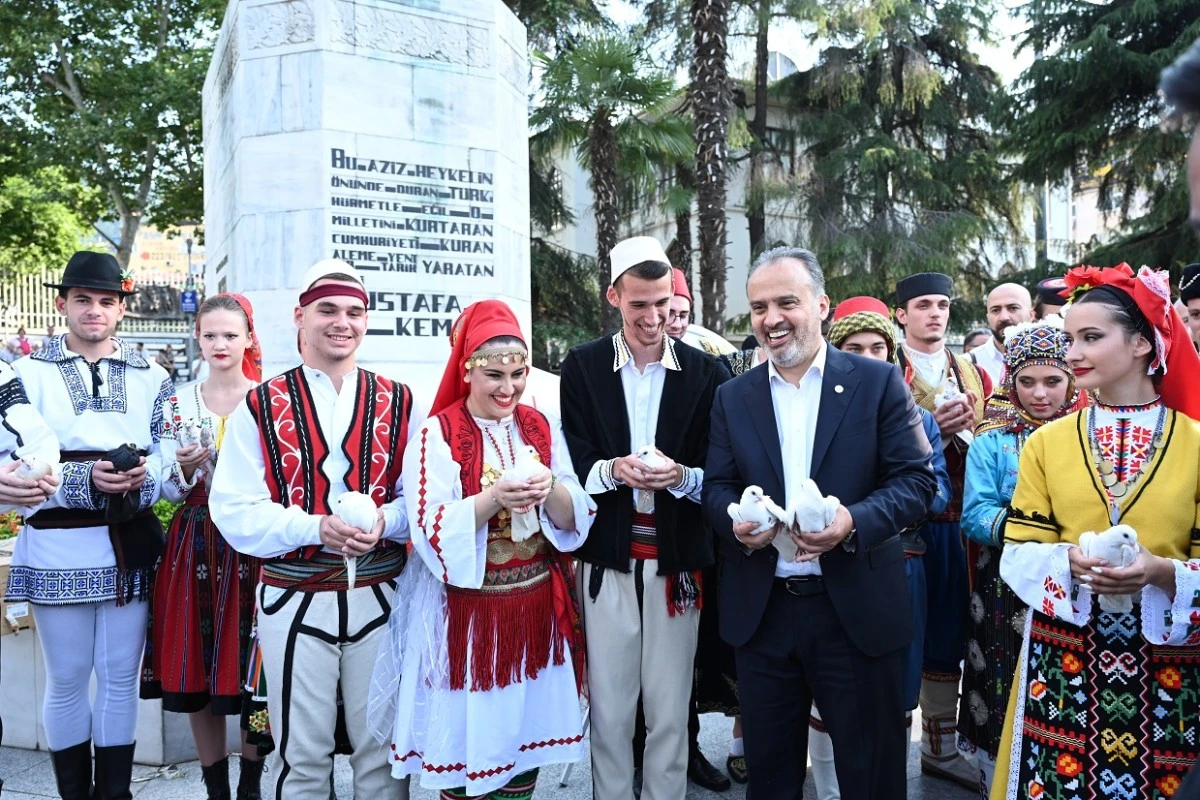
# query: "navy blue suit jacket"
{"type": "Point", "coordinates": [869, 451]}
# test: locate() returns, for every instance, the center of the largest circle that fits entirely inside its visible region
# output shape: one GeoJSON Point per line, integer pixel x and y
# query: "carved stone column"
{"type": "Point", "coordinates": [391, 136]}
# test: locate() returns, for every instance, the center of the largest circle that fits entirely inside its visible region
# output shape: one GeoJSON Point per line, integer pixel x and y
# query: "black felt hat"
{"type": "Point", "coordinates": [921, 284]}
{"type": "Point", "coordinates": [1189, 283]}
{"type": "Point", "coordinates": [1049, 292]}
{"type": "Point", "coordinates": [88, 270]}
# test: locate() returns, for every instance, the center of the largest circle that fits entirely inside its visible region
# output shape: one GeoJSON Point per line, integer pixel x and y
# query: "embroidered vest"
{"type": "Point", "coordinates": [966, 379]}
{"type": "Point", "coordinates": [295, 448]}
{"type": "Point", "coordinates": [523, 617]}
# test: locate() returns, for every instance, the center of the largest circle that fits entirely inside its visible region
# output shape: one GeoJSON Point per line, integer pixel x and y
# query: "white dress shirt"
{"type": "Point", "coordinates": [643, 398]}
{"type": "Point", "coordinates": [989, 359]}
{"type": "Point", "coordinates": [240, 501]}
{"type": "Point", "coordinates": [796, 408]}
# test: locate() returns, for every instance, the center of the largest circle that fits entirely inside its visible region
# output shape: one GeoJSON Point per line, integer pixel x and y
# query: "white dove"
{"type": "Point", "coordinates": [358, 511]}
{"type": "Point", "coordinates": [1119, 547]}
{"type": "Point", "coordinates": [811, 511]}
{"type": "Point", "coordinates": [33, 468]}
{"type": "Point", "coordinates": [757, 507]}
{"type": "Point", "coordinates": [649, 456]}
{"type": "Point", "coordinates": [525, 522]}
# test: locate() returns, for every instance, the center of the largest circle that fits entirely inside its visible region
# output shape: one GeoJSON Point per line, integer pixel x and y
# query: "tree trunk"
{"type": "Point", "coordinates": [602, 148]}
{"type": "Point", "coordinates": [711, 98]}
{"type": "Point", "coordinates": [680, 249]}
{"type": "Point", "coordinates": [756, 214]}
{"type": "Point", "coordinates": [129, 228]}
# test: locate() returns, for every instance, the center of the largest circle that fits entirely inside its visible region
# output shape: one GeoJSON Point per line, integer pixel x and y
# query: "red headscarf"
{"type": "Point", "coordinates": [252, 357]}
{"type": "Point", "coordinates": [1150, 291]}
{"type": "Point", "coordinates": [478, 323]}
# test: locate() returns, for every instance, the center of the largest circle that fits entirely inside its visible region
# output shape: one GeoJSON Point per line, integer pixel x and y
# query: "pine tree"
{"type": "Point", "coordinates": [900, 169]}
{"type": "Point", "coordinates": [1089, 105]}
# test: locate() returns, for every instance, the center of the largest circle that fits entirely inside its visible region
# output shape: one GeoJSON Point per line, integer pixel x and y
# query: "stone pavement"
{"type": "Point", "coordinates": [28, 776]}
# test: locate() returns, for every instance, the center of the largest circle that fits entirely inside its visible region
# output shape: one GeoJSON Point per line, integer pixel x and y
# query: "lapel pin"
{"type": "Point", "coordinates": [838, 389]}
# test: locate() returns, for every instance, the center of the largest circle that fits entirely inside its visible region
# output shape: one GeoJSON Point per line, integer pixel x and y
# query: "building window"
{"type": "Point", "coordinates": [781, 151]}
{"type": "Point", "coordinates": [779, 66]}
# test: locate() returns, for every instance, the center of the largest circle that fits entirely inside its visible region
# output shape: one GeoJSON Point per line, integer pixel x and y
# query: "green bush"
{"type": "Point", "coordinates": [165, 510]}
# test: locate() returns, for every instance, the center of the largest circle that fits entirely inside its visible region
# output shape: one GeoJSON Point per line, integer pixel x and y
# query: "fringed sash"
{"type": "Point", "coordinates": [524, 617]}
{"type": "Point", "coordinates": [683, 588]}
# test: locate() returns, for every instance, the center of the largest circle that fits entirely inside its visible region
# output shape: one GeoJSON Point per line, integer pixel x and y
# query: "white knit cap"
{"type": "Point", "coordinates": [326, 268]}
{"type": "Point", "coordinates": [633, 251]}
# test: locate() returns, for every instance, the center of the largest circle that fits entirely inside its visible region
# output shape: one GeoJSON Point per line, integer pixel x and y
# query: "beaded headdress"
{"type": "Point", "coordinates": [1034, 343]}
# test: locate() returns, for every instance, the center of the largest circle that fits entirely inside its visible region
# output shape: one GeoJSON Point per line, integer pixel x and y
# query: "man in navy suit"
{"type": "Point", "coordinates": [833, 624]}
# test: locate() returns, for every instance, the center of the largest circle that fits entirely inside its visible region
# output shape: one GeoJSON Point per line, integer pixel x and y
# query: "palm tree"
{"type": "Point", "coordinates": [710, 97]}
{"type": "Point", "coordinates": [603, 98]}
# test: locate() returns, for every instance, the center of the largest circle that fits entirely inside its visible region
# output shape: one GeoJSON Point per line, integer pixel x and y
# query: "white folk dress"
{"type": "Point", "coordinates": [479, 740]}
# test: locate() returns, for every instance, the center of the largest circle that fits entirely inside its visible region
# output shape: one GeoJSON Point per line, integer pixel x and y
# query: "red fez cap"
{"type": "Point", "coordinates": [854, 305]}
{"type": "Point", "coordinates": [679, 281]}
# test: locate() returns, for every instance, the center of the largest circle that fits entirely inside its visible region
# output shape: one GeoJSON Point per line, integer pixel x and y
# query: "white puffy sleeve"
{"type": "Point", "coordinates": [1040, 574]}
{"type": "Point", "coordinates": [441, 520]}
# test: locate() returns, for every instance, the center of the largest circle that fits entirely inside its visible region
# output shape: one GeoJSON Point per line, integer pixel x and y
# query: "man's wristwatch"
{"type": "Point", "coordinates": [849, 544]}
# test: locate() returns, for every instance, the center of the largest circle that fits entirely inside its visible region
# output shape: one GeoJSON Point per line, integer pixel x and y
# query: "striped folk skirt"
{"type": "Point", "coordinates": [201, 617]}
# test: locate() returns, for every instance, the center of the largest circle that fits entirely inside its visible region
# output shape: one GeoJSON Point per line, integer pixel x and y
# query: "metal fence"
{"type": "Point", "coordinates": [26, 303]}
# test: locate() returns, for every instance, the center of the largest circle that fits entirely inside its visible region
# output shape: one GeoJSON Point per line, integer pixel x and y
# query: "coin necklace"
{"type": "Point", "coordinates": [1118, 489]}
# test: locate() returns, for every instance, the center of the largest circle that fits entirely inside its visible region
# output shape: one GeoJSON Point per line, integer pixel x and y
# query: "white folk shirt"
{"type": "Point", "coordinates": [990, 359]}
{"type": "Point", "coordinates": [129, 403]}
{"type": "Point", "coordinates": [240, 501]}
{"type": "Point", "coordinates": [643, 398]}
{"type": "Point", "coordinates": [796, 408]}
{"type": "Point", "coordinates": [930, 366]}
{"type": "Point", "coordinates": [23, 432]}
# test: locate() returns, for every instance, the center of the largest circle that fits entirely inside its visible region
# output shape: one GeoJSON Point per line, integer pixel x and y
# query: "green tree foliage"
{"type": "Point", "coordinates": [555, 23]}
{"type": "Point", "coordinates": [40, 218]}
{"type": "Point", "coordinates": [564, 305]}
{"type": "Point", "coordinates": [900, 171]}
{"type": "Point", "coordinates": [1089, 106]}
{"type": "Point", "coordinates": [110, 91]}
{"type": "Point", "coordinates": [603, 99]}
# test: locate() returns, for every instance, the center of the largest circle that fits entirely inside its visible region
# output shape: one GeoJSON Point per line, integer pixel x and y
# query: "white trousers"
{"type": "Point", "coordinates": [633, 642]}
{"type": "Point", "coordinates": [78, 640]}
{"type": "Point", "coordinates": [312, 643]}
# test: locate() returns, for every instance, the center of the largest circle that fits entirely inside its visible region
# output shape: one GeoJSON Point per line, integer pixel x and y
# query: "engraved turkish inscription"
{"type": "Point", "coordinates": [418, 232]}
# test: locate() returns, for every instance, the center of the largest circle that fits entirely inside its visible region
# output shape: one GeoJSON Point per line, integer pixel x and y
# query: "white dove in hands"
{"type": "Point", "coordinates": [811, 511]}
{"type": "Point", "coordinates": [1119, 547]}
{"type": "Point", "coordinates": [358, 511]}
{"type": "Point", "coordinates": [649, 456]}
{"type": "Point", "coordinates": [759, 508]}
{"type": "Point", "coordinates": [525, 521]}
{"type": "Point", "coordinates": [33, 468]}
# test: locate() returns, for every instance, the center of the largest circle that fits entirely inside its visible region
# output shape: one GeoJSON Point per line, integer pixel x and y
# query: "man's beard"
{"type": "Point", "coordinates": [999, 330]}
{"type": "Point", "coordinates": [800, 348]}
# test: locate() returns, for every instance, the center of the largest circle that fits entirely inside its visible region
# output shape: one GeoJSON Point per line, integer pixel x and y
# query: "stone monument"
{"type": "Point", "coordinates": [391, 134]}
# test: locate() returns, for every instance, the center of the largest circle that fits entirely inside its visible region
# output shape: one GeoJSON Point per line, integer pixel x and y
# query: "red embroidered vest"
{"type": "Point", "coordinates": [295, 448]}
{"type": "Point", "coordinates": [520, 620]}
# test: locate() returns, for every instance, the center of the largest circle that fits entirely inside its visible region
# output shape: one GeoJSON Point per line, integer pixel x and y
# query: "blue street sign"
{"type": "Point", "coordinates": [188, 302]}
